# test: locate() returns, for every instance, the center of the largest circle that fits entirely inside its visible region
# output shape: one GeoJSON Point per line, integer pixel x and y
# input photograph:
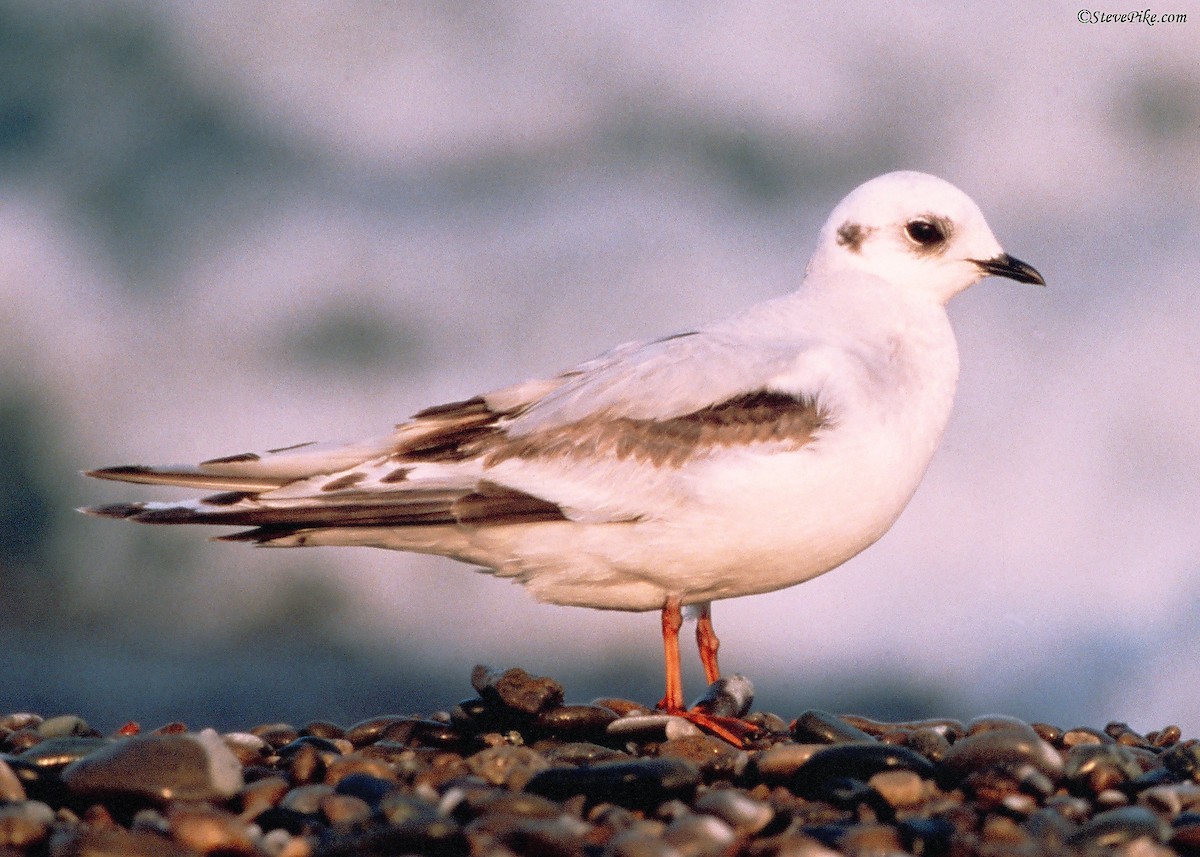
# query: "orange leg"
{"type": "Point", "coordinates": [672, 621]}
{"type": "Point", "coordinates": [707, 642]}
{"type": "Point", "coordinates": [728, 729]}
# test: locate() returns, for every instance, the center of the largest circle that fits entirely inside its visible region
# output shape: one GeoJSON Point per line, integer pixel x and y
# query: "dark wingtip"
{"type": "Point", "coordinates": [120, 474]}
{"type": "Point", "coordinates": [114, 510]}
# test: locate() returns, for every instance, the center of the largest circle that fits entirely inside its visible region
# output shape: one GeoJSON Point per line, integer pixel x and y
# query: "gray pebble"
{"type": "Point", "coordinates": [728, 696]}
{"type": "Point", "coordinates": [651, 727]}
{"type": "Point", "coordinates": [737, 809]}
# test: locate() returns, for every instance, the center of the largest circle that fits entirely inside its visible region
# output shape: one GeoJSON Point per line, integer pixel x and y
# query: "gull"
{"type": "Point", "coordinates": [739, 458]}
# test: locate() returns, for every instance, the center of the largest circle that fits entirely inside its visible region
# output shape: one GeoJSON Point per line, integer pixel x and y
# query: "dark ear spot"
{"type": "Point", "coordinates": [851, 235]}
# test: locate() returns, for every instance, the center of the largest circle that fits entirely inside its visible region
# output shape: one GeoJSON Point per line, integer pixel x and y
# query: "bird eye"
{"type": "Point", "coordinates": [925, 233]}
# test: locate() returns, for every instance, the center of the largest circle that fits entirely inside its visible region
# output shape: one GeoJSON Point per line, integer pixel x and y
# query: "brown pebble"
{"type": "Point", "coordinates": [322, 729]}
{"type": "Point", "coordinates": [257, 797]}
{"type": "Point", "coordinates": [507, 766]}
{"type": "Point", "coordinates": [357, 763]}
{"type": "Point", "coordinates": [780, 761]}
{"type": "Point", "coordinates": [207, 829]}
{"type": "Point", "coordinates": [899, 788]}
{"type": "Point", "coordinates": [715, 758]}
{"type": "Point", "coordinates": [276, 734]}
{"type": "Point", "coordinates": [344, 809]}
{"type": "Point", "coordinates": [870, 839]}
{"type": "Point", "coordinates": [11, 789]}
{"type": "Point", "coordinates": [24, 824]}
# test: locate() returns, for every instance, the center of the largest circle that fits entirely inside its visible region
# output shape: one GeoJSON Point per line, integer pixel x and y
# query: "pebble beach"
{"type": "Point", "coordinates": [515, 770]}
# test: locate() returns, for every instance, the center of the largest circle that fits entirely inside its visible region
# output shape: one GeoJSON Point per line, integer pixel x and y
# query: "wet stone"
{"type": "Point", "coordinates": [11, 789]}
{"type": "Point", "coordinates": [517, 689]}
{"type": "Point", "coordinates": [511, 767]}
{"type": "Point", "coordinates": [371, 730]}
{"type": "Point", "coordinates": [857, 762]}
{"type": "Point", "coordinates": [742, 813]}
{"type": "Point", "coordinates": [1183, 761]}
{"type": "Point", "coordinates": [24, 823]}
{"type": "Point", "coordinates": [699, 835]}
{"type": "Point", "coordinates": [577, 753]}
{"type": "Point", "coordinates": [207, 829]}
{"type": "Point", "coordinates": [183, 767]}
{"type": "Point", "coordinates": [62, 751]}
{"type": "Point", "coordinates": [1009, 747]}
{"type": "Point", "coordinates": [370, 789]}
{"type": "Point", "coordinates": [65, 726]}
{"type": "Point", "coordinates": [1094, 768]}
{"type": "Point", "coordinates": [651, 727]}
{"type": "Point", "coordinates": [715, 758]}
{"type": "Point", "coordinates": [576, 720]}
{"type": "Point", "coordinates": [820, 727]}
{"type": "Point", "coordinates": [322, 729]}
{"type": "Point", "coordinates": [778, 763]}
{"type": "Point", "coordinates": [899, 788]}
{"type": "Point", "coordinates": [276, 734]}
{"type": "Point", "coordinates": [639, 784]}
{"type": "Point", "coordinates": [1120, 826]}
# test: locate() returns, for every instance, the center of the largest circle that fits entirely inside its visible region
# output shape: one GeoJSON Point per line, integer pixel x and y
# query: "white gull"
{"type": "Point", "coordinates": [743, 457]}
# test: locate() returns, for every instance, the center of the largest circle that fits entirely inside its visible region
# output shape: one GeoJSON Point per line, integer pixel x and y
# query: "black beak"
{"type": "Point", "coordinates": [1005, 265]}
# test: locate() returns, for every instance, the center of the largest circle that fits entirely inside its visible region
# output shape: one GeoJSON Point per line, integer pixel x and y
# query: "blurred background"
{"type": "Point", "coordinates": [231, 225]}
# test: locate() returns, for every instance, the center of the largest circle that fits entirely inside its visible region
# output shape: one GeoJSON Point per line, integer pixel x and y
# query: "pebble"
{"type": "Point", "coordinates": [819, 727]}
{"type": "Point", "coordinates": [1008, 746]}
{"type": "Point", "coordinates": [638, 784]}
{"type": "Point", "coordinates": [856, 762]}
{"type": "Point", "coordinates": [164, 767]}
{"type": "Point", "coordinates": [518, 772]}
{"type": "Point", "coordinates": [516, 689]}
{"type": "Point", "coordinates": [11, 789]}
{"type": "Point", "coordinates": [728, 696]}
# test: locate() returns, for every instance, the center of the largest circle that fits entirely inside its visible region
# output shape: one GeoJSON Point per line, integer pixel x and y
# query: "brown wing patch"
{"type": "Point", "coordinates": [343, 482]}
{"type": "Point", "coordinates": [240, 458]}
{"type": "Point", "coordinates": [759, 417]}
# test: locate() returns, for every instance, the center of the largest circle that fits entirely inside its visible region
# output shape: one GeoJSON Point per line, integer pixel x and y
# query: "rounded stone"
{"type": "Point", "coordinates": [715, 758]}
{"type": "Point", "coordinates": [1094, 768]}
{"type": "Point", "coordinates": [11, 789]}
{"type": "Point", "coordinates": [737, 809]}
{"type": "Point", "coordinates": [508, 766]}
{"type": "Point", "coordinates": [1119, 826]}
{"type": "Point", "coordinates": [637, 784]}
{"type": "Point", "coordinates": [306, 799]}
{"type": "Point", "coordinates": [517, 689]}
{"type": "Point", "coordinates": [899, 788]}
{"type": "Point", "coordinates": [64, 726]}
{"type": "Point", "coordinates": [1006, 747]}
{"type": "Point", "coordinates": [857, 762]}
{"type": "Point", "coordinates": [59, 752]}
{"type": "Point", "coordinates": [821, 727]}
{"type": "Point", "coordinates": [207, 829]}
{"type": "Point", "coordinates": [25, 823]}
{"type": "Point", "coordinates": [728, 696]}
{"type": "Point", "coordinates": [576, 720]}
{"type": "Point", "coordinates": [344, 809]}
{"type": "Point", "coordinates": [192, 766]}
